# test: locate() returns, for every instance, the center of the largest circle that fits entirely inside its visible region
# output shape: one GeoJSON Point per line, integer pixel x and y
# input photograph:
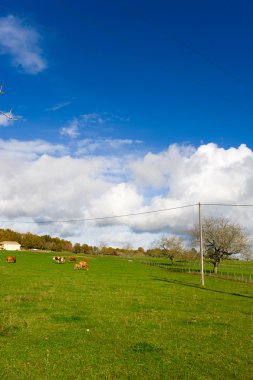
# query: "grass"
{"type": "Point", "coordinates": [120, 320]}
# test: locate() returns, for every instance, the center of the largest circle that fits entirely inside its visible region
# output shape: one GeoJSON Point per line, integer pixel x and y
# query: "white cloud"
{"type": "Point", "coordinates": [118, 143]}
{"type": "Point", "coordinates": [42, 181]}
{"type": "Point", "coordinates": [58, 106]}
{"type": "Point", "coordinates": [102, 119]}
{"type": "Point", "coordinates": [102, 144]}
{"type": "Point", "coordinates": [120, 199]}
{"type": "Point", "coordinates": [30, 150]}
{"type": "Point", "coordinates": [4, 121]}
{"type": "Point", "coordinates": [91, 123]}
{"type": "Point", "coordinates": [72, 130]}
{"type": "Point", "coordinates": [22, 44]}
{"type": "Point", "coordinates": [93, 119]}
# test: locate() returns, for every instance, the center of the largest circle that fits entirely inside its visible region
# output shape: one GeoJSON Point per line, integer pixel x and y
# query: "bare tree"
{"type": "Point", "coordinates": [170, 246]}
{"type": "Point", "coordinates": [221, 239]}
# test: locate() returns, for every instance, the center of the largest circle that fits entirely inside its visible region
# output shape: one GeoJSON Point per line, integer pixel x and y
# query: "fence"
{"type": "Point", "coordinates": [208, 272]}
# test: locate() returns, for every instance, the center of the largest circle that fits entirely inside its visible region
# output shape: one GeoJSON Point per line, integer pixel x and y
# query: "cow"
{"type": "Point", "coordinates": [11, 259]}
{"type": "Point", "coordinates": [71, 259]}
{"type": "Point", "coordinates": [59, 259]}
{"type": "Point", "coordinates": [84, 264]}
{"type": "Point", "coordinates": [81, 265]}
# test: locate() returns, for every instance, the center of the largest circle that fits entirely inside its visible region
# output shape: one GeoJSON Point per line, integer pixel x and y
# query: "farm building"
{"type": "Point", "coordinates": [10, 245]}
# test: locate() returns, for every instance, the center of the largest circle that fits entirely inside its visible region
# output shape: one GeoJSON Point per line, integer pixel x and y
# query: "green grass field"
{"type": "Point", "coordinates": [121, 320]}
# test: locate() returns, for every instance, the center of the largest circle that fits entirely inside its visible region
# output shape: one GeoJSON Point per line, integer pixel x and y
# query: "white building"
{"type": "Point", "coordinates": [10, 245]}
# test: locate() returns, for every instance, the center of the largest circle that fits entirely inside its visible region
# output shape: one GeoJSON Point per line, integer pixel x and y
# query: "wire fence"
{"type": "Point", "coordinates": [222, 274]}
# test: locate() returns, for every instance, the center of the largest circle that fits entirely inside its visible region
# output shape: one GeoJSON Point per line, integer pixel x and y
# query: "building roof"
{"type": "Point", "coordinates": [10, 242]}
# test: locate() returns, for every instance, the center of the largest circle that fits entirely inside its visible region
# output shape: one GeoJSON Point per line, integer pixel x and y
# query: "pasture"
{"type": "Point", "coordinates": [121, 320]}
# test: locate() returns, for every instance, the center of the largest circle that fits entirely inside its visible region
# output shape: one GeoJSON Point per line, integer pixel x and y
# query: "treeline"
{"type": "Point", "coordinates": [48, 243]}
{"type": "Point", "coordinates": [31, 241]}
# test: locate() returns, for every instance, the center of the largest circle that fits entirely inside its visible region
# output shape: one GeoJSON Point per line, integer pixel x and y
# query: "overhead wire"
{"type": "Point", "coordinates": [226, 205]}
{"type": "Point", "coordinates": [109, 217]}
{"type": "Point", "coordinates": [98, 218]}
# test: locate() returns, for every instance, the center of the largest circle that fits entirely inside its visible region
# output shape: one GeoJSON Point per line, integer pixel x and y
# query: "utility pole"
{"type": "Point", "coordinates": [201, 248]}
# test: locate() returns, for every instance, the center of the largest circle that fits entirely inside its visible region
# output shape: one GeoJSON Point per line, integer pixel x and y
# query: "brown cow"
{"type": "Point", "coordinates": [84, 264]}
{"type": "Point", "coordinates": [11, 259]}
{"type": "Point", "coordinates": [72, 259]}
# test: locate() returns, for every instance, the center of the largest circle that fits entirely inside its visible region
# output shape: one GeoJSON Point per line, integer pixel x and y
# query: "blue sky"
{"type": "Point", "coordinates": [166, 73]}
{"type": "Point", "coordinates": [128, 88]}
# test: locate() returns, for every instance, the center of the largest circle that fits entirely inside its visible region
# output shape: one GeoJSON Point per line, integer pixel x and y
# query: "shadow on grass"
{"type": "Point", "coordinates": [182, 283]}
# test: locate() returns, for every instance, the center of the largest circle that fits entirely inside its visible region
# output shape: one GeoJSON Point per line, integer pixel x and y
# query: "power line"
{"type": "Point", "coordinates": [226, 205]}
{"type": "Point", "coordinates": [108, 217]}
{"type": "Point", "coordinates": [98, 218]}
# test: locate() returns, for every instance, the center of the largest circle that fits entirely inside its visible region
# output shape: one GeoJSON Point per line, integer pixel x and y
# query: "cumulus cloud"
{"type": "Point", "coordinates": [4, 121]}
{"type": "Point", "coordinates": [22, 44]}
{"type": "Point", "coordinates": [42, 181]}
{"type": "Point", "coordinates": [30, 150]}
{"type": "Point", "coordinates": [120, 199]}
{"type": "Point", "coordinates": [208, 172]}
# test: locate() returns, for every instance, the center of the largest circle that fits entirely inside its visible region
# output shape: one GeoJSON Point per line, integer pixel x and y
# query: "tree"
{"type": "Point", "coordinates": [154, 252]}
{"type": "Point", "coordinates": [170, 246]}
{"type": "Point", "coordinates": [86, 249]}
{"type": "Point", "coordinates": [77, 248]}
{"type": "Point", "coordinates": [67, 245]}
{"type": "Point", "coordinates": [141, 250]}
{"type": "Point", "coordinates": [30, 241]}
{"type": "Point", "coordinates": [221, 239]}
